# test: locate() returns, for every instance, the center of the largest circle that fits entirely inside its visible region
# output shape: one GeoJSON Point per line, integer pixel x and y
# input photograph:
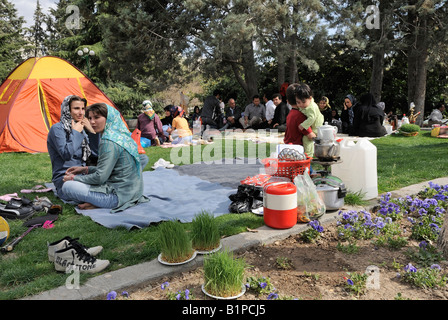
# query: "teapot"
{"type": "Point", "coordinates": [327, 132]}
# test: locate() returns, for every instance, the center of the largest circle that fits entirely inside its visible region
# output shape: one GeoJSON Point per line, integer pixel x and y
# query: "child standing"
{"type": "Point", "coordinates": [315, 119]}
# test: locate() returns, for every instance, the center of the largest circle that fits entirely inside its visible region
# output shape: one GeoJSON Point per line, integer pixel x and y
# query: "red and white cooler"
{"type": "Point", "coordinates": [280, 205]}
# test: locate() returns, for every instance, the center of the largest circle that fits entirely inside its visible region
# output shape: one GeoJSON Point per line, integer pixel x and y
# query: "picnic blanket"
{"type": "Point", "coordinates": [180, 193]}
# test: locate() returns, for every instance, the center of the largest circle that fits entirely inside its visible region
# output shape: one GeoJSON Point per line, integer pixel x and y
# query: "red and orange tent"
{"type": "Point", "coordinates": [31, 97]}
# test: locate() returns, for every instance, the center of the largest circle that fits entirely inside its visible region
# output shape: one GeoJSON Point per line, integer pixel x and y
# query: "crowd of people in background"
{"type": "Point", "coordinates": [364, 117]}
{"type": "Point", "coordinates": [86, 146]}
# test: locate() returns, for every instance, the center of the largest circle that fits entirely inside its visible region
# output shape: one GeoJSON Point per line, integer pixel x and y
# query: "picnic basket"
{"type": "Point", "coordinates": [286, 168]}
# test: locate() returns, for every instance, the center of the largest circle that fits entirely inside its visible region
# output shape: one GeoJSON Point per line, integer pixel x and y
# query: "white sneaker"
{"type": "Point", "coordinates": [66, 242]}
{"type": "Point", "coordinates": [162, 163]}
{"type": "Point", "coordinates": [75, 257]}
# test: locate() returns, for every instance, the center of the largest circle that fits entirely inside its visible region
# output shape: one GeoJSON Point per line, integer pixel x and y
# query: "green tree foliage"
{"type": "Point", "coordinates": [11, 38]}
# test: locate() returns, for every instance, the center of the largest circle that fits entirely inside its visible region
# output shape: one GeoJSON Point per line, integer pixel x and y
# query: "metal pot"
{"type": "Point", "coordinates": [326, 150]}
{"type": "Point", "coordinates": [332, 191]}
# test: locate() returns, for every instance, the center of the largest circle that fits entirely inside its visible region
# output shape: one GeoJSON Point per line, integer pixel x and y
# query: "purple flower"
{"type": "Point", "coordinates": [164, 285]}
{"type": "Point", "coordinates": [263, 285]}
{"type": "Point", "coordinates": [436, 266]}
{"type": "Point", "coordinates": [272, 296]}
{"type": "Point", "coordinates": [350, 282]}
{"type": "Point", "coordinates": [410, 268]}
{"type": "Point", "coordinates": [423, 244]}
{"type": "Point", "coordinates": [111, 295]}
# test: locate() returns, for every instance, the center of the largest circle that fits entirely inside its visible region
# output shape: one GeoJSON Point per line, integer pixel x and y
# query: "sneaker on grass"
{"type": "Point", "coordinates": [67, 242]}
{"type": "Point", "coordinates": [75, 257]}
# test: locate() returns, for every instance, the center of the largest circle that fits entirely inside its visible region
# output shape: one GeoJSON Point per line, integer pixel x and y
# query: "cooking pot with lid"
{"type": "Point", "coordinates": [332, 191]}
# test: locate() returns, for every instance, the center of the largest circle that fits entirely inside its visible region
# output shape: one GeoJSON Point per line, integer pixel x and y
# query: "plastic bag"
{"type": "Point", "coordinates": [145, 142]}
{"type": "Point", "coordinates": [247, 198]}
{"type": "Point", "coordinates": [309, 205]}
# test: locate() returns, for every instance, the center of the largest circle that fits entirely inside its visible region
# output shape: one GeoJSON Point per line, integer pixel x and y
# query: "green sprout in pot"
{"type": "Point", "coordinates": [224, 274]}
{"type": "Point", "coordinates": [409, 129]}
{"type": "Point", "coordinates": [174, 241]}
{"type": "Point", "coordinates": [205, 233]}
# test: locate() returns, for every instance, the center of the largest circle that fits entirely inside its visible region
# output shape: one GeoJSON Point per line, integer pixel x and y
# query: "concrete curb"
{"type": "Point", "coordinates": [142, 274]}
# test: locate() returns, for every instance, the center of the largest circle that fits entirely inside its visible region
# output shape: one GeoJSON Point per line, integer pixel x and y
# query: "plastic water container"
{"type": "Point", "coordinates": [280, 205]}
{"type": "Point", "coordinates": [358, 169]}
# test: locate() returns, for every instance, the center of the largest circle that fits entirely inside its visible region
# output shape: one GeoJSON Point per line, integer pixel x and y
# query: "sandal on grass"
{"type": "Point", "coordinates": [38, 188]}
{"type": "Point", "coordinates": [8, 197]}
{"type": "Point", "coordinates": [17, 209]}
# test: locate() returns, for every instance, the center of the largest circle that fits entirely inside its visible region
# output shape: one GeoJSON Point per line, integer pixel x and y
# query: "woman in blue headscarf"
{"type": "Point", "coordinates": [116, 181]}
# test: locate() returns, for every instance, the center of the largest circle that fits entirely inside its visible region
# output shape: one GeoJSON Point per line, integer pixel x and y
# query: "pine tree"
{"type": "Point", "coordinates": [11, 38]}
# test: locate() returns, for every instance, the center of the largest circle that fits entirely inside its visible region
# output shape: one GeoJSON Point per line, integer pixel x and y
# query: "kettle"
{"type": "Point", "coordinates": [327, 132]}
{"type": "Point", "coordinates": [327, 150]}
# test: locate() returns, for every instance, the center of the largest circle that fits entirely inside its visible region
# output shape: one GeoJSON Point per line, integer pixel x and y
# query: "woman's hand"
{"type": "Point", "coordinates": [78, 126]}
{"type": "Point", "coordinates": [76, 170]}
{"type": "Point", "coordinates": [68, 177]}
{"type": "Point", "coordinates": [87, 126]}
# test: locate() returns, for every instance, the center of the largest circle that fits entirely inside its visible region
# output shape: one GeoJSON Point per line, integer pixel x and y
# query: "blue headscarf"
{"type": "Point", "coordinates": [116, 131]}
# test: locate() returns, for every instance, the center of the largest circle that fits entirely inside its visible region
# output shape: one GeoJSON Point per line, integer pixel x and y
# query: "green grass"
{"type": "Point", "coordinates": [402, 161]}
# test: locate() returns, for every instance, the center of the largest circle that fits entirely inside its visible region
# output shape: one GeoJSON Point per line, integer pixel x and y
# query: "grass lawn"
{"type": "Point", "coordinates": [401, 161]}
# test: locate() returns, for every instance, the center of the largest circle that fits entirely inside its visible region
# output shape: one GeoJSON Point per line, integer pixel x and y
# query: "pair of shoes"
{"type": "Point", "coordinates": [162, 163]}
{"type": "Point", "coordinates": [69, 254]}
{"type": "Point", "coordinates": [17, 208]}
{"type": "Point", "coordinates": [42, 203]}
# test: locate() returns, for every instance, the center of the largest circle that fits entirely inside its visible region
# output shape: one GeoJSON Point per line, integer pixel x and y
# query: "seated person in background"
{"type": "Point", "coordinates": [368, 118]}
{"type": "Point", "coordinates": [436, 116]}
{"type": "Point", "coordinates": [270, 108]}
{"type": "Point", "coordinates": [116, 181]}
{"type": "Point", "coordinates": [325, 109]}
{"type": "Point", "coordinates": [196, 114]}
{"type": "Point", "coordinates": [336, 120]}
{"type": "Point", "coordinates": [150, 125]}
{"type": "Point", "coordinates": [180, 126]}
{"type": "Point", "coordinates": [315, 119]}
{"type": "Point", "coordinates": [69, 140]}
{"type": "Point", "coordinates": [254, 114]}
{"type": "Point", "coordinates": [167, 121]}
{"type": "Point", "coordinates": [233, 115]}
{"type": "Point", "coordinates": [280, 114]}
{"type": "Point", "coordinates": [348, 114]}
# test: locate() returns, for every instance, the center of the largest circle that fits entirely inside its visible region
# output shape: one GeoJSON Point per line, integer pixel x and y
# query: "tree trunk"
{"type": "Point", "coordinates": [281, 75]}
{"type": "Point", "coordinates": [417, 66]}
{"type": "Point", "coordinates": [376, 81]}
{"type": "Point", "coordinates": [249, 83]}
